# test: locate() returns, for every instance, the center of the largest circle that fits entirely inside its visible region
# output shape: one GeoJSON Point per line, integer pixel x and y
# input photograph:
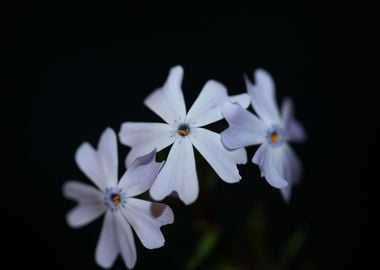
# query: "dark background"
{"type": "Point", "coordinates": [73, 69]}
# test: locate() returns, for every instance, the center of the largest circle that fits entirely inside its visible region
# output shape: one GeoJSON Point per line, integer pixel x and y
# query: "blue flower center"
{"type": "Point", "coordinates": [115, 198]}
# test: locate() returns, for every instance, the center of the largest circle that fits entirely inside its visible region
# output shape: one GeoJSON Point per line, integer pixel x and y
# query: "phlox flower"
{"type": "Point", "coordinates": [183, 130]}
{"type": "Point", "coordinates": [272, 130]}
{"type": "Point", "coordinates": [115, 199]}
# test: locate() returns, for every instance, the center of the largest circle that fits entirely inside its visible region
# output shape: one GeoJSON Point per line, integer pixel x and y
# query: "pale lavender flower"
{"type": "Point", "coordinates": [184, 131]}
{"type": "Point", "coordinates": [272, 130]}
{"type": "Point", "coordinates": [116, 200]}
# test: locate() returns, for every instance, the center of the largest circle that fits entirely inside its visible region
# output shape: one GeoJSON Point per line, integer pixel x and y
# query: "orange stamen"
{"type": "Point", "coordinates": [184, 132]}
{"type": "Point", "coordinates": [274, 137]}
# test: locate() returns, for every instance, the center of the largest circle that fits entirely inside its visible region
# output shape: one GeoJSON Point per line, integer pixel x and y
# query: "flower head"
{"type": "Point", "coordinates": [184, 130]}
{"type": "Point", "coordinates": [116, 200]}
{"type": "Point", "coordinates": [272, 130]}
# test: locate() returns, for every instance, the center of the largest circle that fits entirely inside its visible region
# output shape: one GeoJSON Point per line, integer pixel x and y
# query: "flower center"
{"type": "Point", "coordinates": [184, 130]}
{"type": "Point", "coordinates": [115, 198]}
{"type": "Point", "coordinates": [275, 135]}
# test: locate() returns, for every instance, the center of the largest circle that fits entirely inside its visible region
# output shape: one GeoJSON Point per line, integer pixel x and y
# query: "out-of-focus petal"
{"type": "Point", "coordinates": [292, 171]}
{"type": "Point", "coordinates": [244, 127]}
{"type": "Point", "coordinates": [243, 100]}
{"type": "Point", "coordinates": [270, 162]}
{"type": "Point", "coordinates": [263, 97]}
{"type": "Point", "coordinates": [294, 129]}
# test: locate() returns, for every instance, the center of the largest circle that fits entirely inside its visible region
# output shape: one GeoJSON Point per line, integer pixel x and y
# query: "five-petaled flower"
{"type": "Point", "coordinates": [116, 199]}
{"type": "Point", "coordinates": [184, 130]}
{"type": "Point", "coordinates": [277, 161]}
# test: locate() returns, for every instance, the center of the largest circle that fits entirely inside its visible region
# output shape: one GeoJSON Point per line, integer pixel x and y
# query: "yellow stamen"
{"type": "Point", "coordinates": [184, 132]}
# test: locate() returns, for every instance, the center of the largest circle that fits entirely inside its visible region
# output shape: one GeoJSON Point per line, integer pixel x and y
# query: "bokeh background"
{"type": "Point", "coordinates": [75, 68]}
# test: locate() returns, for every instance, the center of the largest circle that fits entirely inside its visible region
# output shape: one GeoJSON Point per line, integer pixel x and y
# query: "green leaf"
{"type": "Point", "coordinates": [206, 245]}
{"type": "Point", "coordinates": [293, 247]}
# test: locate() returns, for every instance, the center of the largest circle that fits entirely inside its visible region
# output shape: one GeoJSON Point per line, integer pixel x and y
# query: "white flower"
{"type": "Point", "coordinates": [277, 161]}
{"type": "Point", "coordinates": [116, 199]}
{"type": "Point", "coordinates": [184, 131]}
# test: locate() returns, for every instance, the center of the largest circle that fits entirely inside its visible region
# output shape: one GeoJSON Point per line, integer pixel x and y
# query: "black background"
{"type": "Point", "coordinates": [73, 69]}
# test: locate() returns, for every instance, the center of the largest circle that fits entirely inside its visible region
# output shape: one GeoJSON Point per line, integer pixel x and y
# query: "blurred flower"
{"type": "Point", "coordinates": [277, 161]}
{"type": "Point", "coordinates": [183, 130]}
{"type": "Point", "coordinates": [116, 199]}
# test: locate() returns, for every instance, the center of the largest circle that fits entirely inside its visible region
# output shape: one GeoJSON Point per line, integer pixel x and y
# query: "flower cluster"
{"type": "Point", "coordinates": [182, 130]}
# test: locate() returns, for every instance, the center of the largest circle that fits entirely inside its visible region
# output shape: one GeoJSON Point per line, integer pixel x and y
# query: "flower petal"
{"type": "Point", "coordinates": [294, 130]}
{"type": "Point", "coordinates": [107, 247]}
{"type": "Point", "coordinates": [292, 171]}
{"type": "Point", "coordinates": [146, 218]}
{"type": "Point", "coordinates": [269, 160]}
{"type": "Point", "coordinates": [141, 174]}
{"type": "Point", "coordinates": [263, 97]}
{"type": "Point", "coordinates": [81, 193]}
{"type": "Point", "coordinates": [207, 107]}
{"type": "Point", "coordinates": [83, 214]}
{"type": "Point", "coordinates": [243, 99]}
{"type": "Point", "coordinates": [244, 127]}
{"type": "Point", "coordinates": [144, 137]}
{"type": "Point", "coordinates": [90, 200]}
{"type": "Point", "coordinates": [107, 151]}
{"type": "Point", "coordinates": [179, 174]}
{"type": "Point", "coordinates": [126, 240]}
{"type": "Point", "coordinates": [88, 162]}
{"type": "Point", "coordinates": [224, 162]}
{"type": "Point", "coordinates": [168, 101]}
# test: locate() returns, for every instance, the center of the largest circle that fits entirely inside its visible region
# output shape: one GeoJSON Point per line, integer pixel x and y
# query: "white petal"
{"type": "Point", "coordinates": [107, 247]}
{"type": "Point", "coordinates": [178, 174]}
{"type": "Point", "coordinates": [292, 170]}
{"type": "Point", "coordinates": [140, 175]}
{"type": "Point", "coordinates": [243, 99]}
{"type": "Point", "coordinates": [84, 213]}
{"type": "Point", "coordinates": [168, 101]}
{"type": "Point", "coordinates": [207, 107]}
{"type": "Point", "coordinates": [263, 97]}
{"type": "Point", "coordinates": [146, 218]}
{"type": "Point", "coordinates": [144, 137]}
{"type": "Point", "coordinates": [126, 240]}
{"type": "Point", "coordinates": [81, 193]}
{"type": "Point", "coordinates": [269, 160]}
{"type": "Point", "coordinates": [286, 193]}
{"type": "Point", "coordinates": [224, 162]}
{"type": "Point", "coordinates": [88, 162]}
{"type": "Point", "coordinates": [244, 127]}
{"type": "Point", "coordinates": [294, 130]}
{"type": "Point", "coordinates": [259, 157]}
{"type": "Point", "coordinates": [107, 151]}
